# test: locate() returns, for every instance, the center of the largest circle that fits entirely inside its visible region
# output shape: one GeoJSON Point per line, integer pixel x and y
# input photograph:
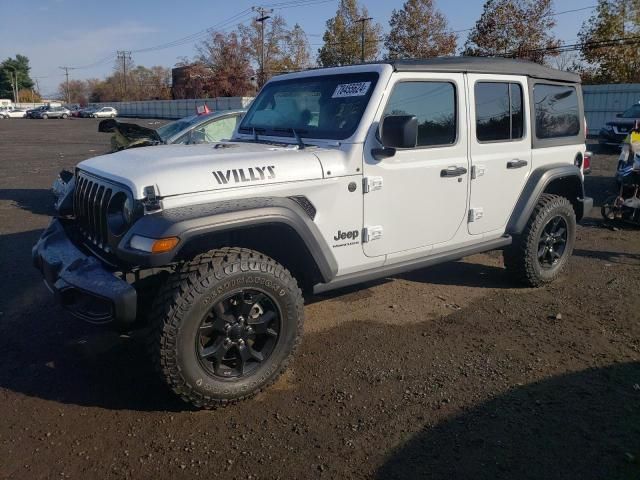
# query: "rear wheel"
{"type": "Point", "coordinates": [541, 252]}
{"type": "Point", "coordinates": [45, 116]}
{"type": "Point", "coordinates": [226, 326]}
{"type": "Point", "coordinates": [65, 116]}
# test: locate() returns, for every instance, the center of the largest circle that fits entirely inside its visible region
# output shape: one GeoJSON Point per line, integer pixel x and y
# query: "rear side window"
{"type": "Point", "coordinates": [498, 111]}
{"type": "Point", "coordinates": [556, 110]}
{"type": "Point", "coordinates": [434, 105]}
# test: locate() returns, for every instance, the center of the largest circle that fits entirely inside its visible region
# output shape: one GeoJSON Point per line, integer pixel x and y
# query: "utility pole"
{"type": "Point", "coordinates": [124, 56]}
{"type": "Point", "coordinates": [66, 73]}
{"type": "Point", "coordinates": [13, 77]}
{"type": "Point", "coordinates": [262, 17]}
{"type": "Point", "coordinates": [364, 24]}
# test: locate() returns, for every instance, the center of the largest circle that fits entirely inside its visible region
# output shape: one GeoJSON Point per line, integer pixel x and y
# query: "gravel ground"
{"type": "Point", "coordinates": [444, 373]}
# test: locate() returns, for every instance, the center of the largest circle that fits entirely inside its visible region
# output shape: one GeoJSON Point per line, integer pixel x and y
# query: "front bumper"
{"type": "Point", "coordinates": [80, 282]}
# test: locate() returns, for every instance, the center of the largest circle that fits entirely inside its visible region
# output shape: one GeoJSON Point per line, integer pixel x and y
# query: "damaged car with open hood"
{"type": "Point", "coordinates": [334, 177]}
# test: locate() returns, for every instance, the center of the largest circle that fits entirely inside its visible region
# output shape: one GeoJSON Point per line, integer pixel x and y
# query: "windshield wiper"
{"type": "Point", "coordinates": [299, 141]}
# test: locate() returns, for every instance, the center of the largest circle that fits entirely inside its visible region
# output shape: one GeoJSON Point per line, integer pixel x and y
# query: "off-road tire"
{"type": "Point", "coordinates": [182, 303]}
{"type": "Point", "coordinates": [521, 257]}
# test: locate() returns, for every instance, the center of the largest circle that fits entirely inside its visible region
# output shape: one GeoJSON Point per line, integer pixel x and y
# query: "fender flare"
{"type": "Point", "coordinates": [537, 183]}
{"type": "Point", "coordinates": [188, 223]}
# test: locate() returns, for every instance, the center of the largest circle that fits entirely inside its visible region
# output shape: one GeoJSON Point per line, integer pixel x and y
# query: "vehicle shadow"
{"type": "Point", "coordinates": [463, 274]}
{"type": "Point", "coordinates": [46, 353]}
{"type": "Point", "coordinates": [579, 425]}
{"type": "Point", "coordinates": [600, 188]}
{"type": "Point", "coordinates": [460, 273]}
{"type": "Point", "coordinates": [38, 201]}
{"type": "Point", "coordinates": [612, 257]}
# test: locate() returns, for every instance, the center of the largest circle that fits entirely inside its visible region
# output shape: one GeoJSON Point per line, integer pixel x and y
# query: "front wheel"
{"type": "Point", "coordinates": [542, 251]}
{"type": "Point", "coordinates": [65, 116]}
{"type": "Point", "coordinates": [44, 117]}
{"type": "Point", "coordinates": [226, 325]}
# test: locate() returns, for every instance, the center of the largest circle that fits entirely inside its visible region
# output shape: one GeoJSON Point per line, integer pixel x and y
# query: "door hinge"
{"type": "Point", "coordinates": [371, 184]}
{"type": "Point", "coordinates": [475, 214]}
{"type": "Point", "coordinates": [370, 234]}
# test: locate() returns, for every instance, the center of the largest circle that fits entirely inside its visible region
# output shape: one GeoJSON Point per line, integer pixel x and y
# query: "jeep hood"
{"type": "Point", "coordinates": [181, 169]}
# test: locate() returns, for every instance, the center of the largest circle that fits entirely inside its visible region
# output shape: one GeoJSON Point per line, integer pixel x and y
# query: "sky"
{"type": "Point", "coordinates": [87, 33]}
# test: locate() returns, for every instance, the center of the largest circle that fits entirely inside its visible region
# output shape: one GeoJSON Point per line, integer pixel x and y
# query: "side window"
{"type": "Point", "coordinates": [498, 111]}
{"type": "Point", "coordinates": [214, 131]}
{"type": "Point", "coordinates": [221, 129]}
{"type": "Point", "coordinates": [556, 109]}
{"type": "Point", "coordinates": [434, 105]}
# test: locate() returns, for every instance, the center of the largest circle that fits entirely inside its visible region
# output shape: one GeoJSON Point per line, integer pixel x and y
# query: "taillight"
{"type": "Point", "coordinates": [586, 163]}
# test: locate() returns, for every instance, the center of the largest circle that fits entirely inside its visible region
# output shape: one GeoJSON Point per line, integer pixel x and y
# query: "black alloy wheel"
{"type": "Point", "coordinates": [238, 334]}
{"type": "Point", "coordinates": [552, 242]}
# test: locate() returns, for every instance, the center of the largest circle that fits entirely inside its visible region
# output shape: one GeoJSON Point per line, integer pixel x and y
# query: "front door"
{"type": "Point", "coordinates": [418, 197]}
{"type": "Point", "coordinates": [500, 145]}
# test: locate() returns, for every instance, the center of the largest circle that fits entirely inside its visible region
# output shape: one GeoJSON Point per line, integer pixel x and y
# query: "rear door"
{"type": "Point", "coordinates": [500, 146]}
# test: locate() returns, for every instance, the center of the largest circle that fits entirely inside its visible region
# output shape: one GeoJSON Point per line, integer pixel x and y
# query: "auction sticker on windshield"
{"type": "Point", "coordinates": [351, 89]}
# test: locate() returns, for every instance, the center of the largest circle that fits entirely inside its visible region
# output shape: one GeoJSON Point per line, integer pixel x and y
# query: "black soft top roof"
{"type": "Point", "coordinates": [506, 66]}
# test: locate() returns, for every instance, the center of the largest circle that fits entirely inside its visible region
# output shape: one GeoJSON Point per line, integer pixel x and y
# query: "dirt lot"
{"type": "Point", "coordinates": [445, 373]}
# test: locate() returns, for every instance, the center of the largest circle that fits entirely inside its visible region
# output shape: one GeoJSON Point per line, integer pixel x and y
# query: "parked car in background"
{"type": "Point", "coordinates": [86, 112]}
{"type": "Point", "coordinates": [75, 109]}
{"type": "Point", "coordinates": [207, 128]}
{"type": "Point", "coordinates": [615, 131]}
{"type": "Point", "coordinates": [17, 113]}
{"type": "Point", "coordinates": [105, 112]}
{"type": "Point", "coordinates": [31, 112]}
{"type": "Point", "coordinates": [52, 112]}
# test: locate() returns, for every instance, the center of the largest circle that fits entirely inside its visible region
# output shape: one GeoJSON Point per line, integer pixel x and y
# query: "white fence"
{"type": "Point", "coordinates": [175, 108]}
{"type": "Point", "coordinates": [603, 102]}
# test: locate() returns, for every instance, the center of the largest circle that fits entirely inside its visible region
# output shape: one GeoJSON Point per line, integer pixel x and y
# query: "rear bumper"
{"type": "Point", "coordinates": [80, 282]}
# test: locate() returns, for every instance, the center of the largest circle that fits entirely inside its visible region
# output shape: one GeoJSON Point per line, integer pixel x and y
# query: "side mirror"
{"type": "Point", "coordinates": [399, 131]}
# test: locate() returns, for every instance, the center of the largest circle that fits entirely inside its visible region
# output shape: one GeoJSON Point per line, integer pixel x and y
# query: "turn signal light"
{"type": "Point", "coordinates": [163, 245]}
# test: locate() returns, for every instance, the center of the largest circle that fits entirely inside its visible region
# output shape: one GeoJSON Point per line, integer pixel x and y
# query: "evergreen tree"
{"type": "Point", "coordinates": [8, 70]}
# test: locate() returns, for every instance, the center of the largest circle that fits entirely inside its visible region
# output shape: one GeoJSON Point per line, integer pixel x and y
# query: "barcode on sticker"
{"type": "Point", "coordinates": [351, 89]}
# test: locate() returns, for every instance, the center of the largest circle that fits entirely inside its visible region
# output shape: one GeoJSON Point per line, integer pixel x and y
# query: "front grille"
{"type": "Point", "coordinates": [90, 207]}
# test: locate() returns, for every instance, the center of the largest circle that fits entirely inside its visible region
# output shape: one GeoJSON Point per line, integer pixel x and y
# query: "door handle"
{"type": "Point", "coordinates": [453, 171]}
{"type": "Point", "coordinates": [517, 163]}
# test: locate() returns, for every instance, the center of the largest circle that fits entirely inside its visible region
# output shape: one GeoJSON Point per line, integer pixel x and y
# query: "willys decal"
{"type": "Point", "coordinates": [240, 175]}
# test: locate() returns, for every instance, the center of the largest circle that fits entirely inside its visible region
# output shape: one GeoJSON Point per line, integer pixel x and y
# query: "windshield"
{"type": "Point", "coordinates": [170, 129]}
{"type": "Point", "coordinates": [327, 107]}
{"type": "Point", "coordinates": [633, 112]}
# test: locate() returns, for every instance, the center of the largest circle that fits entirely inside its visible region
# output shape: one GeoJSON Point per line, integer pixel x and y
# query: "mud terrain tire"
{"type": "Point", "coordinates": [552, 218]}
{"type": "Point", "coordinates": [213, 293]}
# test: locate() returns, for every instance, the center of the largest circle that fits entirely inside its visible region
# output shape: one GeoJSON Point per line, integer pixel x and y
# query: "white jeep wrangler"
{"type": "Point", "coordinates": [334, 176]}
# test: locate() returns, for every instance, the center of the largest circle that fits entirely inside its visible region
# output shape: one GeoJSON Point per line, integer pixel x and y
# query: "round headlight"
{"type": "Point", "coordinates": [118, 214]}
{"type": "Point", "coordinates": [127, 211]}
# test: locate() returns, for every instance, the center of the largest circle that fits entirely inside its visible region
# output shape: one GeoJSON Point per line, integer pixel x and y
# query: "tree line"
{"type": "Point", "coordinates": [238, 62]}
